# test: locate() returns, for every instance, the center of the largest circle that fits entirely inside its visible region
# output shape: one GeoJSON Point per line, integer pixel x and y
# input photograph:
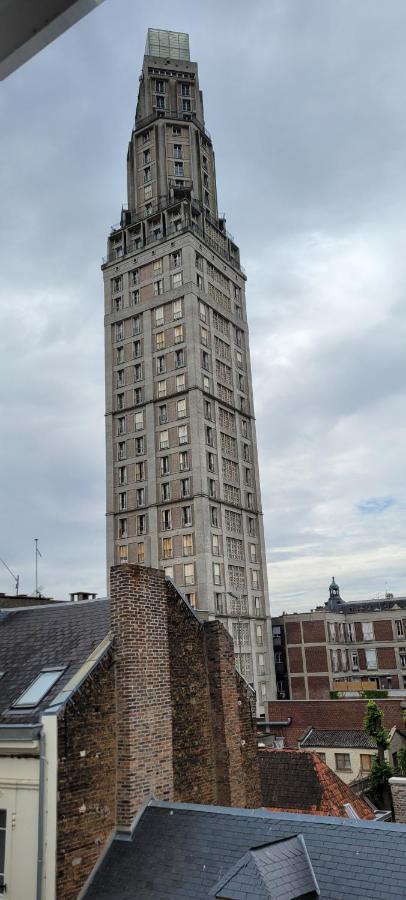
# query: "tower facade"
{"type": "Point", "coordinates": [182, 469]}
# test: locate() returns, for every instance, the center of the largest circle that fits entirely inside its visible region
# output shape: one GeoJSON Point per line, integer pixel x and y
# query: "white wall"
{"type": "Point", "coordinates": [19, 785]}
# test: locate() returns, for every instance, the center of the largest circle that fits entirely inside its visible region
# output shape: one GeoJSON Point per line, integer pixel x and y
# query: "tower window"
{"type": "Point", "coordinates": [185, 487]}
{"type": "Point", "coordinates": [186, 515]}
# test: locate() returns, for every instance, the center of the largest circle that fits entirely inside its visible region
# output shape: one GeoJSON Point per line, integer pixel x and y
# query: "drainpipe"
{"type": "Point", "coordinates": [41, 793]}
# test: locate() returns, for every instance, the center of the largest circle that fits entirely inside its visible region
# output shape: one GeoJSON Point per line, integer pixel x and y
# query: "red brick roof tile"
{"type": "Point", "coordinates": [298, 781]}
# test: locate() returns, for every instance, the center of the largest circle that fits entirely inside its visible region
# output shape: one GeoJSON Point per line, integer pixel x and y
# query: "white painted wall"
{"type": "Point", "coordinates": [19, 788]}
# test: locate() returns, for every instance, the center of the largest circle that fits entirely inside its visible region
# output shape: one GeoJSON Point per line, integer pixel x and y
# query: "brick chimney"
{"type": "Point", "coordinates": [140, 633]}
{"type": "Point", "coordinates": [398, 788]}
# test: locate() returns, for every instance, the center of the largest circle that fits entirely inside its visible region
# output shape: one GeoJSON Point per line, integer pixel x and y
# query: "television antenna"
{"type": "Point", "coordinates": [37, 554]}
{"type": "Point", "coordinates": [16, 577]}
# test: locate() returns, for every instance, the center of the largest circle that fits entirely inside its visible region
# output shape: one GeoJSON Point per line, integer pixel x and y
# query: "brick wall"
{"type": "Point", "coordinates": [144, 716]}
{"type": "Point", "coordinates": [398, 788]}
{"type": "Point", "coordinates": [295, 659]}
{"type": "Point", "coordinates": [383, 630]}
{"type": "Point", "coordinates": [319, 687]}
{"type": "Point", "coordinates": [181, 725]}
{"type": "Point", "coordinates": [86, 778]}
{"type": "Point", "coordinates": [193, 754]}
{"type": "Point", "coordinates": [293, 633]}
{"type": "Point", "coordinates": [224, 716]}
{"type": "Point", "coordinates": [298, 687]}
{"type": "Point", "coordinates": [249, 743]}
{"type": "Point", "coordinates": [214, 741]}
{"type": "Point", "coordinates": [358, 631]}
{"type": "Point", "coordinates": [386, 658]}
{"type": "Point", "coordinates": [316, 659]}
{"type": "Point", "coordinates": [362, 658]}
{"type": "Point", "coordinates": [327, 714]}
{"type": "Point", "coordinates": [314, 631]}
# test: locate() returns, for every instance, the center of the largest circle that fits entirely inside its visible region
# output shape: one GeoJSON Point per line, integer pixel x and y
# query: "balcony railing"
{"type": "Point", "coordinates": [188, 226]}
{"type": "Point", "coordinates": [176, 115]}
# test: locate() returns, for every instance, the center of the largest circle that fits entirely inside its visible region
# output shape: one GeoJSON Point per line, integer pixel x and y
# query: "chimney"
{"type": "Point", "coordinates": [398, 788]}
{"type": "Point", "coordinates": [144, 715]}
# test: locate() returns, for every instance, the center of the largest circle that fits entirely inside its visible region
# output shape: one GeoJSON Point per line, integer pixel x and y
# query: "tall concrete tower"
{"type": "Point", "coordinates": [182, 470]}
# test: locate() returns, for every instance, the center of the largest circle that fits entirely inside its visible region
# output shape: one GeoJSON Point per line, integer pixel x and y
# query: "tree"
{"type": "Point", "coordinates": [401, 762]}
{"type": "Point", "coordinates": [381, 771]}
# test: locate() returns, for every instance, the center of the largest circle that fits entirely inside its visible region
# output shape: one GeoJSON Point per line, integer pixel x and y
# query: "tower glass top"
{"type": "Point", "coordinates": [167, 44]}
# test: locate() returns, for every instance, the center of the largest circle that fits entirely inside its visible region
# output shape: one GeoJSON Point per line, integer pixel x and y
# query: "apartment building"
{"type": "Point", "coordinates": [341, 646]}
{"type": "Point", "coordinates": [183, 488]}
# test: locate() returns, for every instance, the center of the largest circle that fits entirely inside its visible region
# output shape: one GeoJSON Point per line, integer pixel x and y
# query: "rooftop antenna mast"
{"type": "Point", "coordinates": [37, 554]}
{"type": "Point", "coordinates": [16, 577]}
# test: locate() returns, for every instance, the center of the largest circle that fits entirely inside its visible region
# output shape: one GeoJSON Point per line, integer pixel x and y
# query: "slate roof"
{"type": "Point", "coordinates": [180, 852]}
{"type": "Point", "coordinates": [39, 637]}
{"type": "Point", "coordinates": [298, 781]}
{"type": "Point", "coordinates": [354, 739]}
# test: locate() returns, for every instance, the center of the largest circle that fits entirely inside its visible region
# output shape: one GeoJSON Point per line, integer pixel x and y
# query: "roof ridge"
{"type": "Point", "coordinates": [332, 821]}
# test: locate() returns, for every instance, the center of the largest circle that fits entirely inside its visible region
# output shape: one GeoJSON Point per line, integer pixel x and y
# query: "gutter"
{"type": "Point", "coordinates": [15, 733]}
{"type": "Point", "coordinates": [277, 722]}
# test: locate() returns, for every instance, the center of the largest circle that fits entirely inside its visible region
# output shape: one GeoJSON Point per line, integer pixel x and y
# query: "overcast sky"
{"type": "Point", "coordinates": [305, 103]}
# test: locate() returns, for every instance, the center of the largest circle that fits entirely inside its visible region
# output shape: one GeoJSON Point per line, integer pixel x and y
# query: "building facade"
{"type": "Point", "coordinates": [341, 646]}
{"type": "Point", "coordinates": [182, 470]}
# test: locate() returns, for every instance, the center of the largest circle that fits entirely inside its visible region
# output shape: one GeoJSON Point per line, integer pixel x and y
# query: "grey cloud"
{"type": "Point", "coordinates": [305, 105]}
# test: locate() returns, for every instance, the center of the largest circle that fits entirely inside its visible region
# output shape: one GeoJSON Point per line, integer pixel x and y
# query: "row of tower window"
{"type": "Point", "coordinates": [181, 462]}
{"type": "Point", "coordinates": [167, 439]}
{"type": "Point", "coordinates": [164, 315]}
{"type": "Point", "coordinates": [161, 87]}
{"type": "Point", "coordinates": [183, 515]}
{"type": "Point", "coordinates": [226, 420]}
{"type": "Point", "coordinates": [165, 363]}
{"type": "Point", "coordinates": [145, 273]}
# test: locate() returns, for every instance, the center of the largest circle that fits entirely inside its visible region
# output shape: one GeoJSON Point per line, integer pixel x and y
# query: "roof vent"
{"type": "Point", "coordinates": [278, 871]}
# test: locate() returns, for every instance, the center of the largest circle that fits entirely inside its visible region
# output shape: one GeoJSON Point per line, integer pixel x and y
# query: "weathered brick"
{"type": "Point", "coordinates": [316, 659]}
{"type": "Point", "coordinates": [295, 659]}
{"type": "Point", "coordinates": [86, 778]}
{"type": "Point", "coordinates": [314, 631]}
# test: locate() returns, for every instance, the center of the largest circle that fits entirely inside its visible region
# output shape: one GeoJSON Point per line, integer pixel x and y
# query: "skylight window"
{"type": "Point", "coordinates": [39, 688]}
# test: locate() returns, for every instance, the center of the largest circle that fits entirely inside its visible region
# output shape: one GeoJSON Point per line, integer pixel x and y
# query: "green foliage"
{"type": "Point", "coordinates": [373, 724]}
{"type": "Point", "coordinates": [371, 694]}
{"type": "Point", "coordinates": [333, 695]}
{"type": "Point", "coordinates": [381, 771]}
{"type": "Point", "coordinates": [378, 776]}
{"type": "Point", "coordinates": [401, 762]}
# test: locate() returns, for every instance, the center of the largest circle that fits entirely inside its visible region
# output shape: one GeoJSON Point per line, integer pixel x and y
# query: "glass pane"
{"type": "Point", "coordinates": [170, 44]}
{"type": "Point", "coordinates": [39, 688]}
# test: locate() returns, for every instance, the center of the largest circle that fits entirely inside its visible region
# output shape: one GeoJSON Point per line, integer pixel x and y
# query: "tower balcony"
{"type": "Point", "coordinates": [175, 115]}
{"type": "Point", "coordinates": [180, 188]}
